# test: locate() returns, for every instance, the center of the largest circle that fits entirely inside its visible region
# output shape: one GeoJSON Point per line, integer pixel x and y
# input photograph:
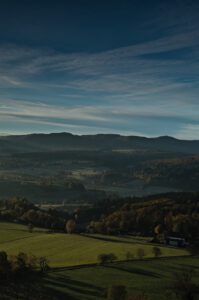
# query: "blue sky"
{"type": "Point", "coordinates": [84, 66]}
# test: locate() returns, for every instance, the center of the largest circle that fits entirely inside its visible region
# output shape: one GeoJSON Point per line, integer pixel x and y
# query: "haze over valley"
{"type": "Point", "coordinates": [60, 168]}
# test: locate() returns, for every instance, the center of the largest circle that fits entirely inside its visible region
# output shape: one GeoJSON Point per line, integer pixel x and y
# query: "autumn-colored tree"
{"type": "Point", "coordinates": [158, 229]}
{"type": "Point", "coordinates": [70, 226]}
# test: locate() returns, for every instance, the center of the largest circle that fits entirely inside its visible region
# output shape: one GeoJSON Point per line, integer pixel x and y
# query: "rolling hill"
{"type": "Point", "coordinates": [67, 141]}
{"type": "Point", "coordinates": [63, 250]}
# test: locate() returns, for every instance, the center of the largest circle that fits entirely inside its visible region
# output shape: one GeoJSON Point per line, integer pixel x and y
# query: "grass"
{"type": "Point", "coordinates": [153, 277]}
{"type": "Point", "coordinates": [11, 232]}
{"type": "Point", "coordinates": [71, 250]}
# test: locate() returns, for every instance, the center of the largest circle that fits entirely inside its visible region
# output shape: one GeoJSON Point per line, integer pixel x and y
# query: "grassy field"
{"type": "Point", "coordinates": [10, 232]}
{"type": "Point", "coordinates": [153, 277]}
{"type": "Point", "coordinates": [71, 250]}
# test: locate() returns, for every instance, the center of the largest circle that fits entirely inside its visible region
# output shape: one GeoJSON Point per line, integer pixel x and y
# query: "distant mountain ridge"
{"type": "Point", "coordinates": [67, 141]}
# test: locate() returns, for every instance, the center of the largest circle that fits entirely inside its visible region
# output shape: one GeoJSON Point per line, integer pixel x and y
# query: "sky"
{"type": "Point", "coordinates": [100, 66]}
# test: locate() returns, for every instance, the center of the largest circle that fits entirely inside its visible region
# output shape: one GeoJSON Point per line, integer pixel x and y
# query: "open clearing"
{"type": "Point", "coordinates": [64, 250]}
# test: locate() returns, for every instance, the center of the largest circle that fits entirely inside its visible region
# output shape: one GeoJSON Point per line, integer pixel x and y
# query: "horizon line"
{"type": "Point", "coordinates": [95, 134]}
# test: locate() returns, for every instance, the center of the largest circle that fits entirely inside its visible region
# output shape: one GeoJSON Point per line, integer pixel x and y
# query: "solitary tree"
{"type": "Point", "coordinates": [157, 252]}
{"type": "Point", "coordinates": [43, 264]}
{"type": "Point", "coordinates": [107, 258]}
{"type": "Point", "coordinates": [70, 226]}
{"type": "Point", "coordinates": [102, 258]}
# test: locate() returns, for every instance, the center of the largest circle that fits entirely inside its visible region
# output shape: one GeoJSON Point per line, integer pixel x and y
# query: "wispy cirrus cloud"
{"type": "Point", "coordinates": [119, 119]}
{"type": "Point", "coordinates": [154, 81]}
{"type": "Point", "coordinates": [189, 131]}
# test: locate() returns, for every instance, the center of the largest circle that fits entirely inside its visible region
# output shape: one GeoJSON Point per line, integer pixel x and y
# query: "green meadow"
{"type": "Point", "coordinates": [67, 254]}
{"type": "Point", "coordinates": [64, 250]}
{"type": "Point", "coordinates": [152, 277]}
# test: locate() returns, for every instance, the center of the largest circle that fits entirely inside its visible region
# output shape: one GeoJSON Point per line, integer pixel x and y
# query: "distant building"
{"type": "Point", "coordinates": [176, 241]}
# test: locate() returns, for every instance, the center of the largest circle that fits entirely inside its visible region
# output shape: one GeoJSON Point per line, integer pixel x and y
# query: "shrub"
{"type": "Point", "coordinates": [106, 258]}
{"type": "Point", "coordinates": [21, 265]}
{"type": "Point", "coordinates": [157, 252]}
{"type": "Point", "coordinates": [43, 263]}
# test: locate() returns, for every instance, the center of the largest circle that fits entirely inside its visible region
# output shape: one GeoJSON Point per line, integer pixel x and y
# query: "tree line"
{"type": "Point", "coordinates": [171, 214]}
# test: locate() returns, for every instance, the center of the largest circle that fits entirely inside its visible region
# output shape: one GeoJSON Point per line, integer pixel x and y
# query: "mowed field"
{"type": "Point", "coordinates": [152, 277]}
{"type": "Point", "coordinates": [63, 250]}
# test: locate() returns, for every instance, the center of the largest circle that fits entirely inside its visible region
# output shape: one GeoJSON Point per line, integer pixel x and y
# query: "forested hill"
{"type": "Point", "coordinates": [173, 213]}
{"type": "Point", "coordinates": [67, 141]}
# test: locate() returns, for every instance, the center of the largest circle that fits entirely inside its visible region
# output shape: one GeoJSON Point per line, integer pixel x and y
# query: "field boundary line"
{"type": "Point", "coordinates": [82, 266]}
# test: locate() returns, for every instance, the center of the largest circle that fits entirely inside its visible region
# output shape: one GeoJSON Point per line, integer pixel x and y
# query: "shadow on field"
{"type": "Point", "coordinates": [188, 267]}
{"type": "Point", "coordinates": [31, 287]}
{"type": "Point", "coordinates": [70, 286]}
{"type": "Point", "coordinates": [134, 270]}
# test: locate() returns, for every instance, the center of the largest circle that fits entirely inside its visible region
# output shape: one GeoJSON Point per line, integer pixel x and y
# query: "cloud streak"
{"type": "Point", "coordinates": [116, 89]}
